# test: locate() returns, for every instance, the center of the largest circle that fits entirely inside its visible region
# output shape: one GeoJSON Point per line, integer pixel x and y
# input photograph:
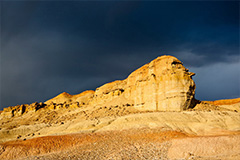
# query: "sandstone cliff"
{"type": "Point", "coordinates": [161, 85]}
{"type": "Point", "coordinates": [164, 84]}
{"type": "Point", "coordinates": [125, 119]}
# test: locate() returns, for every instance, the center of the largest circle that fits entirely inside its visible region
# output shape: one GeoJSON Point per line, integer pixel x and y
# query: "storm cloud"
{"type": "Point", "coordinates": [56, 46]}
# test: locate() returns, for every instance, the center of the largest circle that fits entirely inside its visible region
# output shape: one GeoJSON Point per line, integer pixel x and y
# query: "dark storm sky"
{"type": "Point", "coordinates": [48, 47]}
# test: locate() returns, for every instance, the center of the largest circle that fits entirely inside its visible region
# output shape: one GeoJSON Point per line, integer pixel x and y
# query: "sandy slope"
{"type": "Point", "coordinates": [142, 143]}
{"type": "Point", "coordinates": [196, 123]}
{"type": "Point", "coordinates": [121, 132]}
{"type": "Point", "coordinates": [64, 122]}
{"type": "Point", "coordinates": [218, 147]}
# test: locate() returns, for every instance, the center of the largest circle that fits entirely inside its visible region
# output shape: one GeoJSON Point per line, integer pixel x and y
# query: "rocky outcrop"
{"type": "Point", "coordinates": [121, 114]}
{"type": "Point", "coordinates": [161, 85]}
{"type": "Point", "coordinates": [21, 109]}
{"type": "Point", "coordinates": [164, 84]}
{"type": "Point", "coordinates": [82, 98]}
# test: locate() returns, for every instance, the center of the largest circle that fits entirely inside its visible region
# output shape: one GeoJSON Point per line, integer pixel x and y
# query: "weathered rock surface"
{"type": "Point", "coordinates": [82, 98]}
{"type": "Point", "coordinates": [125, 119]}
{"type": "Point", "coordinates": [161, 85]}
{"type": "Point", "coordinates": [21, 109]}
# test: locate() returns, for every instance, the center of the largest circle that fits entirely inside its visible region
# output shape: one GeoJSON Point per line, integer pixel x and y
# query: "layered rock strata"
{"type": "Point", "coordinates": [161, 85]}
{"type": "Point", "coordinates": [18, 110]}
{"type": "Point", "coordinates": [96, 123]}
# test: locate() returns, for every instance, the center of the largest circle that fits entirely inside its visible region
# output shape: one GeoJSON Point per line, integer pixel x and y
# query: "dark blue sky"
{"type": "Point", "coordinates": [48, 47]}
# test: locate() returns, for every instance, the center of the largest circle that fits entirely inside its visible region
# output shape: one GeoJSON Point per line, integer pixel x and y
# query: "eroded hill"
{"type": "Point", "coordinates": [150, 115]}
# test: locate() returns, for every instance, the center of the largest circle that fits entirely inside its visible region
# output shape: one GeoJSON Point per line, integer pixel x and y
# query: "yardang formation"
{"type": "Point", "coordinates": [152, 114]}
{"type": "Point", "coordinates": [161, 85]}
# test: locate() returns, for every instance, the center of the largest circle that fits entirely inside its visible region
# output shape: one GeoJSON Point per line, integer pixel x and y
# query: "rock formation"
{"type": "Point", "coordinates": [21, 109]}
{"type": "Point", "coordinates": [164, 84]}
{"type": "Point", "coordinates": [161, 85]}
{"type": "Point", "coordinates": [121, 120]}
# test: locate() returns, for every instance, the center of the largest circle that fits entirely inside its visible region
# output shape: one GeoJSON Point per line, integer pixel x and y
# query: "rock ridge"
{"type": "Point", "coordinates": [164, 84]}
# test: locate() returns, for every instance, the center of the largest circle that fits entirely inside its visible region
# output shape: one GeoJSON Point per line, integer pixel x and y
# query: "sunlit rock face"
{"type": "Point", "coordinates": [164, 85]}
{"type": "Point", "coordinates": [66, 98]}
{"type": "Point", "coordinates": [161, 85]}
{"type": "Point", "coordinates": [15, 111]}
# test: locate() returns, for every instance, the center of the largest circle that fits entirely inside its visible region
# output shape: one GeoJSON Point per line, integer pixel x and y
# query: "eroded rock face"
{"type": "Point", "coordinates": [83, 98]}
{"type": "Point", "coordinates": [19, 110]}
{"type": "Point", "coordinates": [163, 85]}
